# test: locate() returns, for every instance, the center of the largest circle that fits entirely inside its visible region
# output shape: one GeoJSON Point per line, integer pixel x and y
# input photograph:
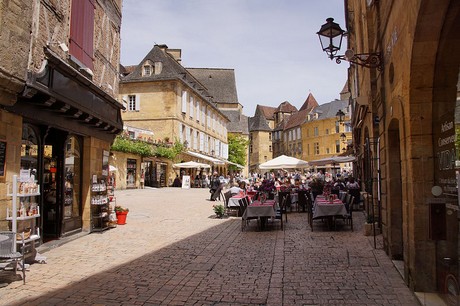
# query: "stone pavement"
{"type": "Point", "coordinates": [173, 251]}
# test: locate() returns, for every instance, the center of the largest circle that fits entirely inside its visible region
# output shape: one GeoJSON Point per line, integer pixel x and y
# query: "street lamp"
{"type": "Point", "coordinates": [340, 116]}
{"type": "Point", "coordinates": [343, 137]}
{"type": "Point", "coordinates": [331, 35]}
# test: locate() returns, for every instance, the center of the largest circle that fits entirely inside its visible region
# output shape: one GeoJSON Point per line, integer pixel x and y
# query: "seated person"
{"type": "Point", "coordinates": [235, 189]}
{"type": "Point", "coordinates": [177, 182]}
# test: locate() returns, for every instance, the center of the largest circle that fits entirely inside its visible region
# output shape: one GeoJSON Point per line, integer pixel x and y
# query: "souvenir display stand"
{"type": "Point", "coordinates": [99, 205]}
{"type": "Point", "coordinates": [24, 213]}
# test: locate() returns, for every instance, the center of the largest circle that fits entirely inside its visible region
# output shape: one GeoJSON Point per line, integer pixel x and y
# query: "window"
{"type": "Point", "coordinates": [147, 70]}
{"type": "Point", "coordinates": [337, 146]}
{"type": "Point", "coordinates": [269, 148]}
{"type": "Point", "coordinates": [327, 131]}
{"type": "Point", "coordinates": [316, 148]}
{"type": "Point", "coordinates": [192, 105]}
{"type": "Point", "coordinates": [133, 103]}
{"type": "Point", "coordinates": [82, 32]}
{"type": "Point", "coordinates": [198, 114]}
{"type": "Point", "coordinates": [327, 151]}
{"type": "Point", "coordinates": [250, 149]}
{"type": "Point", "coordinates": [184, 101]}
{"type": "Point", "coordinates": [315, 131]}
{"type": "Point", "coordinates": [270, 136]}
{"type": "Point", "coordinates": [337, 127]}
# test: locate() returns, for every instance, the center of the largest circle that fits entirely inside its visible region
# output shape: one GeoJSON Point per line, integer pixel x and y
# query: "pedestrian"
{"type": "Point", "coordinates": [215, 187]}
{"type": "Point", "coordinates": [142, 180]}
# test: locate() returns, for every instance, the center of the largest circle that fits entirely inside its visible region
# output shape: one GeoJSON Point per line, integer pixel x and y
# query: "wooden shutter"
{"type": "Point", "coordinates": [82, 31]}
{"type": "Point", "coordinates": [138, 103]}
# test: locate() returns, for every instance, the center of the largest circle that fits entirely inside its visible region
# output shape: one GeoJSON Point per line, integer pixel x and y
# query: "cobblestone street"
{"type": "Point", "coordinates": [173, 251]}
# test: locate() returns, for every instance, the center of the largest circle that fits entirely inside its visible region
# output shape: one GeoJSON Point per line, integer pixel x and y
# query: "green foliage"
{"type": "Point", "coordinates": [146, 149]}
{"type": "Point", "coordinates": [127, 145]}
{"type": "Point", "coordinates": [237, 150]}
{"type": "Point", "coordinates": [169, 152]}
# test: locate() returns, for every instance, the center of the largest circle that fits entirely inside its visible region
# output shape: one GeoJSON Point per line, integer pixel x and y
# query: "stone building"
{"type": "Point", "coordinates": [405, 120]}
{"type": "Point", "coordinates": [260, 139]}
{"type": "Point", "coordinates": [221, 85]}
{"type": "Point", "coordinates": [164, 97]}
{"type": "Point", "coordinates": [321, 132]}
{"type": "Point", "coordinates": [59, 113]}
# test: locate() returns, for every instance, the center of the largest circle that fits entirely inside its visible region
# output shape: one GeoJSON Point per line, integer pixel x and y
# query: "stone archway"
{"type": "Point", "coordinates": [434, 73]}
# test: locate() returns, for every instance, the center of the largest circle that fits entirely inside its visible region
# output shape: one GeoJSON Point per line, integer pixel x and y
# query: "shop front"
{"type": "Point", "coordinates": [66, 124]}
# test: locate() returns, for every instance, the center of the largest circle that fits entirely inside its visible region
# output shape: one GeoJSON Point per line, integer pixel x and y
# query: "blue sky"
{"type": "Point", "coordinates": [271, 44]}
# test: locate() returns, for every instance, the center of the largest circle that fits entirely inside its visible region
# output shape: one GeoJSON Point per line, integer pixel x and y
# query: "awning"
{"type": "Point", "coordinates": [215, 161]}
{"type": "Point", "coordinates": [234, 164]}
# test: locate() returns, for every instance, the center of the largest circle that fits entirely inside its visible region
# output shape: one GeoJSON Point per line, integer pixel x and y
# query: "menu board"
{"type": "Point", "coordinates": [2, 158]}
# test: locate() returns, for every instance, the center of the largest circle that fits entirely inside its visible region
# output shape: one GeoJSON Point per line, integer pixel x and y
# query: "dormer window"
{"type": "Point", "coordinates": [147, 70]}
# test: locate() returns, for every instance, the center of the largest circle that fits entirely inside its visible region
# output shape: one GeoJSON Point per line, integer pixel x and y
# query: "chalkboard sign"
{"type": "Point", "coordinates": [2, 158]}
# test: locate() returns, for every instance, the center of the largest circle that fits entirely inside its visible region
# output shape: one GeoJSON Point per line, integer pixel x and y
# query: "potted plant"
{"type": "Point", "coordinates": [121, 213]}
{"type": "Point", "coordinates": [369, 226]}
{"type": "Point", "coordinates": [219, 210]}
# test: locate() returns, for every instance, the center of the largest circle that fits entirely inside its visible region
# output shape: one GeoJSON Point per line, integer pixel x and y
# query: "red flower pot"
{"type": "Point", "coordinates": [121, 217]}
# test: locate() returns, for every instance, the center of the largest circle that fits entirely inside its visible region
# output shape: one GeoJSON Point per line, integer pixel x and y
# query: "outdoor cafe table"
{"type": "Point", "coordinates": [262, 211]}
{"type": "Point", "coordinates": [324, 208]}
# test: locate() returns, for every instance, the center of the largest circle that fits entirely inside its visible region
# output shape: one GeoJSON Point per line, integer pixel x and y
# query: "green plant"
{"type": "Point", "coordinates": [218, 209]}
{"type": "Point", "coordinates": [119, 208]}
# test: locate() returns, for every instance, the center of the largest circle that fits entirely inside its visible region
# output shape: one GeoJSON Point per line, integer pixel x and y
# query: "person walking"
{"type": "Point", "coordinates": [215, 187]}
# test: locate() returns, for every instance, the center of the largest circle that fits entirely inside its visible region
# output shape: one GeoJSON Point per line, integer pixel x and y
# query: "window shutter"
{"type": "Point", "coordinates": [82, 31]}
{"type": "Point", "coordinates": [138, 103]}
{"type": "Point", "coordinates": [192, 105]}
{"type": "Point", "coordinates": [181, 136]}
{"type": "Point", "coordinates": [198, 110]}
{"type": "Point", "coordinates": [184, 101]}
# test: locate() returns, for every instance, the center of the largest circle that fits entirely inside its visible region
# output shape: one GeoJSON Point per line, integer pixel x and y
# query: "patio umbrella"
{"type": "Point", "coordinates": [191, 164]}
{"type": "Point", "coordinates": [112, 168]}
{"type": "Point", "coordinates": [332, 160]}
{"type": "Point", "coordinates": [284, 162]}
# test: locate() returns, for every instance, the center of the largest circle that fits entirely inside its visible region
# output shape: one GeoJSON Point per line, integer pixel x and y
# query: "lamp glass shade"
{"type": "Point", "coordinates": [330, 36]}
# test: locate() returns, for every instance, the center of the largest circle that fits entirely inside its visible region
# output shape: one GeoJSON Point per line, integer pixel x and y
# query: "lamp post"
{"type": "Point", "coordinates": [331, 35]}
{"type": "Point", "coordinates": [343, 137]}
{"type": "Point", "coordinates": [340, 116]}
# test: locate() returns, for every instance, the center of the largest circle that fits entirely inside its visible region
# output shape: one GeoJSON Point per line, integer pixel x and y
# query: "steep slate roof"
{"type": "Point", "coordinates": [220, 82]}
{"type": "Point", "coordinates": [171, 70]}
{"type": "Point", "coordinates": [297, 119]}
{"type": "Point", "coordinates": [310, 103]}
{"type": "Point", "coordinates": [259, 121]}
{"type": "Point", "coordinates": [238, 122]}
{"type": "Point", "coordinates": [267, 111]}
{"type": "Point", "coordinates": [329, 110]}
{"type": "Point", "coordinates": [286, 107]}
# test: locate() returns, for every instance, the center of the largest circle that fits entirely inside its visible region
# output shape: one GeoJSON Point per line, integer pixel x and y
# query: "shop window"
{"type": "Point", "coordinates": [29, 149]}
{"type": "Point", "coordinates": [131, 173]}
{"type": "Point", "coordinates": [72, 178]}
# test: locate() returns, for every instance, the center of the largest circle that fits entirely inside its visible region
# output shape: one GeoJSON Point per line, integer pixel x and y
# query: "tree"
{"type": "Point", "coordinates": [237, 150]}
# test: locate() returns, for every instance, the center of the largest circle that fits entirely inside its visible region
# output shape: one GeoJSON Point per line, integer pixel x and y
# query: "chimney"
{"type": "Point", "coordinates": [176, 54]}
{"type": "Point", "coordinates": [163, 47]}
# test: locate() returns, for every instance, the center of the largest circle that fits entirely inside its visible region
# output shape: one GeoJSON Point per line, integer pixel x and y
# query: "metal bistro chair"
{"type": "Point", "coordinates": [9, 256]}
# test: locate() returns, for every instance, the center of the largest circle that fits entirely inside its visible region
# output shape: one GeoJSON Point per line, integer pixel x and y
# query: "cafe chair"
{"type": "Point", "coordinates": [280, 211]}
{"type": "Point", "coordinates": [302, 200]}
{"type": "Point", "coordinates": [348, 218]}
{"type": "Point", "coordinates": [7, 254]}
{"type": "Point", "coordinates": [282, 195]}
{"type": "Point", "coordinates": [244, 202]}
{"type": "Point", "coordinates": [309, 208]}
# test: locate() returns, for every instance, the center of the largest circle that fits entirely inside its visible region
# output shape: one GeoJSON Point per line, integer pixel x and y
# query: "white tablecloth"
{"type": "Point", "coordinates": [233, 201]}
{"type": "Point", "coordinates": [257, 209]}
{"type": "Point", "coordinates": [323, 208]}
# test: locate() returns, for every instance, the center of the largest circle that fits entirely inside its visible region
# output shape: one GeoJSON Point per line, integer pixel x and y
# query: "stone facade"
{"type": "Point", "coordinates": [405, 130]}
{"type": "Point", "coordinates": [163, 97]}
{"type": "Point", "coordinates": [63, 105]}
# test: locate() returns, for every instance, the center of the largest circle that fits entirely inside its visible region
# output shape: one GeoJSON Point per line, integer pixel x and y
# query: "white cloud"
{"type": "Point", "coordinates": [272, 45]}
